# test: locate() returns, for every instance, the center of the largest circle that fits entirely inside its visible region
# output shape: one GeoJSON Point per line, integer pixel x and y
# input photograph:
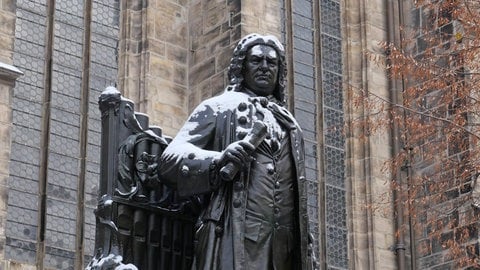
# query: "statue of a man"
{"type": "Point", "coordinates": [257, 217]}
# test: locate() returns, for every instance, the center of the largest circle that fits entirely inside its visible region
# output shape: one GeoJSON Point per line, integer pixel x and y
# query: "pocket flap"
{"type": "Point", "coordinates": [252, 230]}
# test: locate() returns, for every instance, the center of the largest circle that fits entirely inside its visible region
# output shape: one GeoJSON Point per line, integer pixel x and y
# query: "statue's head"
{"type": "Point", "coordinates": [258, 64]}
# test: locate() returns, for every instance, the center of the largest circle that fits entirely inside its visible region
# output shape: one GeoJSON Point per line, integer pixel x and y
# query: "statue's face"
{"type": "Point", "coordinates": [261, 70]}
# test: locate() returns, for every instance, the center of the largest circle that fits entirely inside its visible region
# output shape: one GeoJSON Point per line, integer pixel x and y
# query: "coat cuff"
{"type": "Point", "coordinates": [196, 176]}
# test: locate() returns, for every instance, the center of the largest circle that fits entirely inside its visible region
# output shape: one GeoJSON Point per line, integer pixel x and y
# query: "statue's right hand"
{"type": "Point", "coordinates": [238, 153]}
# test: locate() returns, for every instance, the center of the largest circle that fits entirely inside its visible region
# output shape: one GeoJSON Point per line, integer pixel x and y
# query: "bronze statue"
{"type": "Point", "coordinates": [243, 153]}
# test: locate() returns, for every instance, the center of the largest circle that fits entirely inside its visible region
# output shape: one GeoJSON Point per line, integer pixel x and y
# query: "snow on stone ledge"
{"type": "Point", "coordinates": [9, 72]}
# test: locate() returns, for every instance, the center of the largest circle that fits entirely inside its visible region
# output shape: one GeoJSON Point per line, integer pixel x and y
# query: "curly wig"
{"type": "Point", "coordinates": [236, 68]}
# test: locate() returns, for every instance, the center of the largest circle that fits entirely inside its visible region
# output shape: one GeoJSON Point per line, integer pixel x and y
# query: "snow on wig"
{"type": "Point", "coordinates": [236, 68]}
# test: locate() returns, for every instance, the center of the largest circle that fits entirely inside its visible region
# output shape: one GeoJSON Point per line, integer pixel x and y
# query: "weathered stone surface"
{"type": "Point", "coordinates": [176, 53]}
{"type": "Point", "coordinates": [164, 91]}
{"type": "Point", "coordinates": [215, 17]}
{"type": "Point", "coordinates": [157, 46]}
{"type": "Point", "coordinates": [161, 66]}
{"type": "Point", "coordinates": [7, 22]}
{"type": "Point", "coordinates": [174, 33]}
{"type": "Point", "coordinates": [202, 71]}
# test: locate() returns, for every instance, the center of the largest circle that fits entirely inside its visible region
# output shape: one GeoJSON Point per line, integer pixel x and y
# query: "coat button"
{"type": "Point", "coordinates": [218, 230]}
{"type": "Point", "coordinates": [212, 166]}
{"type": "Point", "coordinates": [241, 135]}
{"type": "Point", "coordinates": [238, 186]}
{"type": "Point", "coordinates": [242, 120]}
{"type": "Point", "coordinates": [277, 184]}
{"type": "Point", "coordinates": [264, 102]}
{"type": "Point", "coordinates": [242, 106]}
{"type": "Point", "coordinates": [276, 210]}
{"type": "Point", "coordinates": [237, 203]}
{"type": "Point", "coordinates": [191, 156]}
{"type": "Point", "coordinates": [185, 170]}
{"type": "Point", "coordinates": [275, 146]}
{"type": "Point", "coordinates": [270, 168]}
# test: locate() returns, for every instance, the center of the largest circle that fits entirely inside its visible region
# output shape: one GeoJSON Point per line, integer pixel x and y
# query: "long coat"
{"type": "Point", "coordinates": [189, 165]}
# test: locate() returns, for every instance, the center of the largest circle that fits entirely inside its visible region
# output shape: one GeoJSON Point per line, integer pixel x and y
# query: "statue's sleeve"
{"type": "Point", "coordinates": [188, 163]}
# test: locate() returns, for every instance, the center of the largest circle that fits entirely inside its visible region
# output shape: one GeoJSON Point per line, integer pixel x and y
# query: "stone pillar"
{"type": "Point", "coordinates": [214, 29]}
{"type": "Point", "coordinates": [131, 69]}
{"type": "Point", "coordinates": [371, 228]}
{"type": "Point", "coordinates": [153, 59]}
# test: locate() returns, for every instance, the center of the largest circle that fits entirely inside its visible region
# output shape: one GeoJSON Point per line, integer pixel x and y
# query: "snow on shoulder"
{"type": "Point", "coordinates": [223, 102]}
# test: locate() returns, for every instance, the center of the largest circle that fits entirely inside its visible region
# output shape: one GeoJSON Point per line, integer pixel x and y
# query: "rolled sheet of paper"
{"type": "Point", "coordinates": [255, 137]}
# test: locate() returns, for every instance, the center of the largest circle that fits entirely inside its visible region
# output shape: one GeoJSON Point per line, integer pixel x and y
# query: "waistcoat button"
{"type": "Point", "coordinates": [237, 203]}
{"type": "Point", "coordinates": [242, 120]}
{"type": "Point", "coordinates": [218, 230]}
{"type": "Point", "coordinates": [238, 186]}
{"type": "Point", "coordinates": [241, 135]}
{"type": "Point", "coordinates": [242, 106]}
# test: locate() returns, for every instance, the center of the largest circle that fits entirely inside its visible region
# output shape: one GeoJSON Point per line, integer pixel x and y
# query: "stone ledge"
{"type": "Point", "coordinates": [9, 72]}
